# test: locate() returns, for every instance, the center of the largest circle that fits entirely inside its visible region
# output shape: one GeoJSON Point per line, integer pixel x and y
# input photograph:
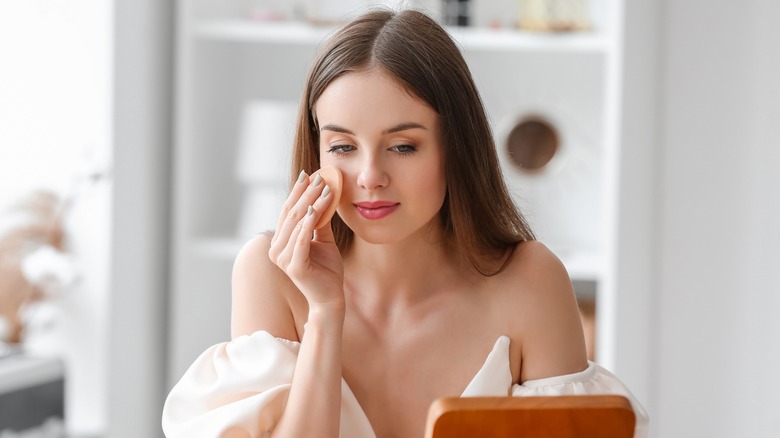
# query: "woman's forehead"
{"type": "Point", "coordinates": [370, 94]}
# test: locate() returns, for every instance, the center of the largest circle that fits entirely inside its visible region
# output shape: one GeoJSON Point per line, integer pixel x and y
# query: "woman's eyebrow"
{"type": "Point", "coordinates": [403, 127]}
{"type": "Point", "coordinates": [397, 128]}
{"type": "Point", "coordinates": [336, 128]}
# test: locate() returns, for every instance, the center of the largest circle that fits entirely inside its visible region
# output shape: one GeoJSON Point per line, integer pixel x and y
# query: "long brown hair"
{"type": "Point", "coordinates": [479, 219]}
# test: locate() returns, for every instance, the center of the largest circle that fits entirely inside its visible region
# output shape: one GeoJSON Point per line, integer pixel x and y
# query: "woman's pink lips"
{"type": "Point", "coordinates": [377, 209]}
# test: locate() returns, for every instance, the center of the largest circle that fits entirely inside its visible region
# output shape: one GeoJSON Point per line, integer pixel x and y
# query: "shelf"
{"type": "Point", "coordinates": [300, 33]}
{"type": "Point", "coordinates": [19, 371]}
{"type": "Point", "coordinates": [263, 32]}
{"type": "Point", "coordinates": [574, 79]}
{"type": "Point", "coordinates": [220, 248]}
{"type": "Point", "coordinates": [32, 395]}
{"type": "Point", "coordinates": [516, 40]}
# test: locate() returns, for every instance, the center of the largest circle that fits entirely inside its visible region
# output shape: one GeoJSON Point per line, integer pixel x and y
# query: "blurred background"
{"type": "Point", "coordinates": [141, 143]}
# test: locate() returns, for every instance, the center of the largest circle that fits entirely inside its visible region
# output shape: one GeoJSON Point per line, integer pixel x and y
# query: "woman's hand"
{"type": "Point", "coordinates": [309, 257]}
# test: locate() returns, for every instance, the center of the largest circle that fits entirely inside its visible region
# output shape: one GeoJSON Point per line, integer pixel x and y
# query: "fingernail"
{"type": "Point", "coordinates": [325, 192]}
{"type": "Point", "coordinates": [301, 176]}
{"type": "Point", "coordinates": [317, 180]}
{"type": "Point", "coordinates": [310, 211]}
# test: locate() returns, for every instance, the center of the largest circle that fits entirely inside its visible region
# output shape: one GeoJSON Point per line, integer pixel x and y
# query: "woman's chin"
{"type": "Point", "coordinates": [390, 236]}
{"type": "Point", "coordinates": [377, 237]}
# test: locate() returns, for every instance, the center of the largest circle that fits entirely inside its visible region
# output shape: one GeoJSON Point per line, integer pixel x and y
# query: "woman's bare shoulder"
{"type": "Point", "coordinates": [544, 312]}
{"type": "Point", "coordinates": [262, 294]}
{"type": "Point", "coordinates": [532, 263]}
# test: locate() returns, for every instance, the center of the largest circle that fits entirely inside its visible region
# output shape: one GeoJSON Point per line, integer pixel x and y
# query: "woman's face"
{"type": "Point", "coordinates": [388, 146]}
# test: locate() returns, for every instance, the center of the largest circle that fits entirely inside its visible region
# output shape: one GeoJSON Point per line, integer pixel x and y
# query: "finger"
{"type": "Point", "coordinates": [307, 198]}
{"type": "Point", "coordinates": [298, 188]}
{"type": "Point", "coordinates": [288, 249]}
{"type": "Point", "coordinates": [324, 233]}
{"type": "Point", "coordinates": [296, 213]}
{"type": "Point", "coordinates": [300, 256]}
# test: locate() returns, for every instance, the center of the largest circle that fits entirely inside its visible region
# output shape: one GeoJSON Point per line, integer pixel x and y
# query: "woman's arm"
{"type": "Point", "coordinates": [314, 403]}
{"type": "Point", "coordinates": [549, 324]}
{"type": "Point", "coordinates": [269, 275]}
{"type": "Point", "coordinates": [261, 293]}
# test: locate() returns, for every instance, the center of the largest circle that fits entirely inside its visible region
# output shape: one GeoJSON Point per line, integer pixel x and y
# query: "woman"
{"type": "Point", "coordinates": [427, 283]}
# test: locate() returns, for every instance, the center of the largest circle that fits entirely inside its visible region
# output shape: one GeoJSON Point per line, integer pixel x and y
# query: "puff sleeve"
{"type": "Point", "coordinates": [240, 389]}
{"type": "Point", "coordinates": [595, 379]}
{"type": "Point", "coordinates": [236, 388]}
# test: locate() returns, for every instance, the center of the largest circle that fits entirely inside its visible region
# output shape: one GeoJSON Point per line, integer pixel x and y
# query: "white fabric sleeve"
{"type": "Point", "coordinates": [236, 388]}
{"type": "Point", "coordinates": [593, 380]}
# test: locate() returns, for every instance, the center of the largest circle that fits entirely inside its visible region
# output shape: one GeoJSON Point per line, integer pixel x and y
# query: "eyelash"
{"type": "Point", "coordinates": [339, 149]}
{"type": "Point", "coordinates": [407, 149]}
{"type": "Point", "coordinates": [403, 149]}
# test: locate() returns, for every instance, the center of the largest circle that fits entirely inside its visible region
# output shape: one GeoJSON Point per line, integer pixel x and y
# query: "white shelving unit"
{"type": "Point", "coordinates": [473, 38]}
{"type": "Point", "coordinates": [225, 61]}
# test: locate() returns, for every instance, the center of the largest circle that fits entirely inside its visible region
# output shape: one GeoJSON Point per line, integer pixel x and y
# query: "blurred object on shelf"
{"type": "Point", "coordinates": [341, 11]}
{"type": "Point", "coordinates": [262, 165]}
{"type": "Point", "coordinates": [276, 10]}
{"type": "Point", "coordinates": [434, 8]}
{"type": "Point", "coordinates": [533, 143]}
{"type": "Point", "coordinates": [33, 259]}
{"type": "Point", "coordinates": [493, 14]}
{"type": "Point", "coordinates": [332, 11]}
{"type": "Point", "coordinates": [36, 264]}
{"type": "Point", "coordinates": [267, 14]}
{"type": "Point", "coordinates": [554, 15]}
{"type": "Point", "coordinates": [456, 12]}
{"type": "Point", "coordinates": [267, 131]}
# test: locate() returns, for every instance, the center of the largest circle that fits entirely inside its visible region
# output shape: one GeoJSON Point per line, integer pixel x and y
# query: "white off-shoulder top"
{"type": "Point", "coordinates": [242, 386]}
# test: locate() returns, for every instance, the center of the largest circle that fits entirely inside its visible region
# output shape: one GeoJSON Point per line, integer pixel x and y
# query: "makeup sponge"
{"type": "Point", "coordinates": [332, 177]}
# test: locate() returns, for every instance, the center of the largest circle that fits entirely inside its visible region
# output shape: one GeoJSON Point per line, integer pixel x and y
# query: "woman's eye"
{"type": "Point", "coordinates": [404, 149]}
{"type": "Point", "coordinates": [341, 149]}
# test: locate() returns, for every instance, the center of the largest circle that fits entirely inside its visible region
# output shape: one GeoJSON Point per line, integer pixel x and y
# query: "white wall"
{"type": "Point", "coordinates": [637, 207]}
{"type": "Point", "coordinates": [719, 224]}
{"type": "Point", "coordinates": [55, 80]}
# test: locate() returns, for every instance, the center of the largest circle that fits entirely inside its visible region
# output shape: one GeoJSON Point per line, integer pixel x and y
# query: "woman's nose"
{"type": "Point", "coordinates": [372, 175]}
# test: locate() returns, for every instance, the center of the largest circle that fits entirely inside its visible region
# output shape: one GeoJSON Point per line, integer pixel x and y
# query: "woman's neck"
{"type": "Point", "coordinates": [400, 272]}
